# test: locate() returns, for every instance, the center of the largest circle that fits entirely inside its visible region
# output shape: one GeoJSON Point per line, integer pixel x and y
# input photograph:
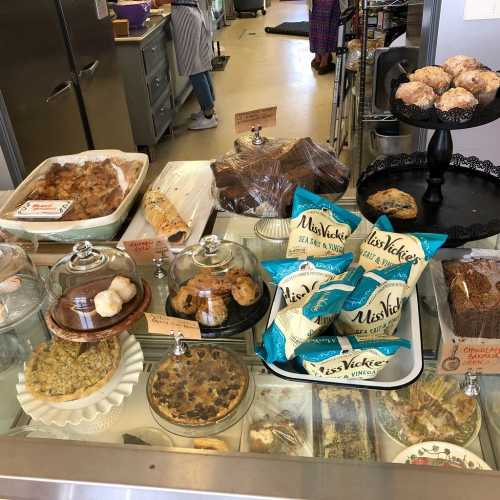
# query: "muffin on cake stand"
{"type": "Point", "coordinates": [456, 195]}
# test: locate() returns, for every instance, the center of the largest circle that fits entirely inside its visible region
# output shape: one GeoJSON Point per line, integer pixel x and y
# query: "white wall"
{"type": "Point", "coordinates": [480, 39]}
{"type": "Point", "coordinates": [5, 179]}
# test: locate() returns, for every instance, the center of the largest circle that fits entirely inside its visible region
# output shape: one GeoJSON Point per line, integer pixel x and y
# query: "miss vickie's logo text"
{"type": "Point", "coordinates": [387, 310]}
{"type": "Point", "coordinates": [293, 295]}
{"type": "Point", "coordinates": [330, 231]}
{"type": "Point", "coordinates": [394, 246]}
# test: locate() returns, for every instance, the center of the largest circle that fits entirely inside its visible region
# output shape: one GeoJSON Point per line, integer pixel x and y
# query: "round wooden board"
{"type": "Point", "coordinates": [96, 335]}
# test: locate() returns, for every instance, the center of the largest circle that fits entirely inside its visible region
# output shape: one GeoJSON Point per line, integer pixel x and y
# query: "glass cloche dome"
{"type": "Point", "coordinates": [93, 288]}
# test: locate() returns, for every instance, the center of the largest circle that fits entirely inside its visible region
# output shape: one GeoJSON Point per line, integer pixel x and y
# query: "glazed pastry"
{"type": "Point", "coordinates": [471, 80]}
{"type": "Point", "coordinates": [124, 288]}
{"type": "Point", "coordinates": [417, 94]}
{"type": "Point", "coordinates": [456, 98]}
{"type": "Point", "coordinates": [245, 291]}
{"type": "Point", "coordinates": [458, 64]}
{"type": "Point", "coordinates": [395, 203]}
{"type": "Point", "coordinates": [163, 216]}
{"type": "Point", "coordinates": [433, 76]}
{"type": "Point", "coordinates": [210, 444]}
{"type": "Point", "coordinates": [186, 300]}
{"type": "Point", "coordinates": [492, 84]}
{"type": "Point", "coordinates": [107, 303]}
{"type": "Point", "coordinates": [212, 312]}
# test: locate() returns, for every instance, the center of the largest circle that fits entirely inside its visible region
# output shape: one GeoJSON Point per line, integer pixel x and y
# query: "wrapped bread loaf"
{"type": "Point", "coordinates": [164, 217]}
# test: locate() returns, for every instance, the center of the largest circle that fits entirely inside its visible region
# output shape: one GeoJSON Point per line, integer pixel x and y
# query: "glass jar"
{"type": "Point", "coordinates": [93, 288]}
{"type": "Point", "coordinates": [216, 283]}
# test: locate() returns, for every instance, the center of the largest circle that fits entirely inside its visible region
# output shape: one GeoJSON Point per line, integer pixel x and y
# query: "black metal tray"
{"type": "Point", "coordinates": [470, 209]}
{"type": "Point", "coordinates": [239, 318]}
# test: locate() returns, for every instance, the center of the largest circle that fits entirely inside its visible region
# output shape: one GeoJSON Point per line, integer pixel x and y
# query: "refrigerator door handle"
{"type": "Point", "coordinates": [60, 89]}
{"type": "Point", "coordinates": [89, 70]}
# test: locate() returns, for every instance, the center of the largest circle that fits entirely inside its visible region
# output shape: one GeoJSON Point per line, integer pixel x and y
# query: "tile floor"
{"type": "Point", "coordinates": [264, 70]}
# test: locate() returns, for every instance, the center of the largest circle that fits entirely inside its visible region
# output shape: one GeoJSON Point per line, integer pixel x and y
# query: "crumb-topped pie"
{"type": "Point", "coordinates": [201, 386]}
{"type": "Point", "coordinates": [59, 370]}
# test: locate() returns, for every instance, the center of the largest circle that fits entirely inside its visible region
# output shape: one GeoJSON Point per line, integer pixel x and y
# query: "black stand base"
{"type": "Point", "coordinates": [439, 155]}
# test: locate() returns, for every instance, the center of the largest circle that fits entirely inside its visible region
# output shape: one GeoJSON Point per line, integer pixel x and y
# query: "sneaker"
{"type": "Point", "coordinates": [198, 115]}
{"type": "Point", "coordinates": [203, 123]}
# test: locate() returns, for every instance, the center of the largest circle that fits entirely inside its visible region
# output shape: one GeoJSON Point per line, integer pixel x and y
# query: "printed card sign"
{"type": "Point", "coordinates": [161, 324]}
{"type": "Point", "coordinates": [265, 117]}
{"type": "Point", "coordinates": [43, 209]}
{"type": "Point", "coordinates": [144, 251]}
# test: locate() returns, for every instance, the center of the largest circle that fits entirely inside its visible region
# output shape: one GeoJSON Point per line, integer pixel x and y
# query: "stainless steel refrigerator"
{"type": "Point", "coordinates": [60, 87]}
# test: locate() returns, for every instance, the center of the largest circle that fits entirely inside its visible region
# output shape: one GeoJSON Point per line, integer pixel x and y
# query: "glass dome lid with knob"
{"type": "Point", "coordinates": [217, 283]}
{"type": "Point", "coordinates": [93, 288]}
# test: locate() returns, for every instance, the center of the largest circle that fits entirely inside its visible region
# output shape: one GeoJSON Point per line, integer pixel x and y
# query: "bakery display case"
{"type": "Point", "coordinates": [212, 404]}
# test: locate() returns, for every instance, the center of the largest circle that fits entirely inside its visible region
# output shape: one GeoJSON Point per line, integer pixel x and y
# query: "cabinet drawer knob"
{"type": "Point", "coordinates": [157, 82]}
{"type": "Point", "coordinates": [153, 48]}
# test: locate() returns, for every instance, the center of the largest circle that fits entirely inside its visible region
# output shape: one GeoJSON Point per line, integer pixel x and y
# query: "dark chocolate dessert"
{"type": "Point", "coordinates": [474, 297]}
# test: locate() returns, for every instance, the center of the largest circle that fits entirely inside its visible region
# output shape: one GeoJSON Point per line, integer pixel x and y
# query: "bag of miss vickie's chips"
{"type": "Point", "coordinates": [318, 227]}
{"type": "Point", "coordinates": [306, 318]}
{"type": "Point", "coordinates": [297, 278]}
{"type": "Point", "coordinates": [383, 247]}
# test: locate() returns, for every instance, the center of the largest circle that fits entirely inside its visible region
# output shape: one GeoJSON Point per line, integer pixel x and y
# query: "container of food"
{"type": "Point", "coordinates": [127, 172]}
{"type": "Point", "coordinates": [95, 293]}
{"type": "Point", "coordinates": [199, 390]}
{"type": "Point", "coordinates": [135, 11]}
{"type": "Point", "coordinates": [218, 284]}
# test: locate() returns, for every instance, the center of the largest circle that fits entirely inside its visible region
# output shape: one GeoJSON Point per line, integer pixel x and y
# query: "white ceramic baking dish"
{"type": "Point", "coordinates": [99, 228]}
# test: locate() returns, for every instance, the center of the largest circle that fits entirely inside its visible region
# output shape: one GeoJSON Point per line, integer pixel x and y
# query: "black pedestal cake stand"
{"type": "Point", "coordinates": [455, 195]}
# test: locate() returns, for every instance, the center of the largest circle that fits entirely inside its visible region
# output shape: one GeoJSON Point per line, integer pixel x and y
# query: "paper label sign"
{"type": "Point", "coordinates": [143, 251]}
{"type": "Point", "coordinates": [43, 209]}
{"type": "Point", "coordinates": [265, 117]}
{"type": "Point", "coordinates": [160, 324]}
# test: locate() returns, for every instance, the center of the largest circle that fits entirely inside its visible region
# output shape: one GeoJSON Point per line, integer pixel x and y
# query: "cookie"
{"type": "Point", "coordinates": [186, 300]}
{"type": "Point", "coordinates": [208, 285]}
{"type": "Point", "coordinates": [212, 312]}
{"type": "Point", "coordinates": [395, 203]}
{"type": "Point", "coordinates": [245, 291]}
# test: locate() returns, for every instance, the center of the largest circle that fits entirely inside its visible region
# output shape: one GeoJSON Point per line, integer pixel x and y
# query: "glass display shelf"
{"type": "Point", "coordinates": [288, 424]}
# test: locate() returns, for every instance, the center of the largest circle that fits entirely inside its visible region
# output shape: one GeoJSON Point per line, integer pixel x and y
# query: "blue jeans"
{"type": "Point", "coordinates": [203, 90]}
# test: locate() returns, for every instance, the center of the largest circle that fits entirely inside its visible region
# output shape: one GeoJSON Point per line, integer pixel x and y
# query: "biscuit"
{"type": "Point", "coordinates": [395, 203]}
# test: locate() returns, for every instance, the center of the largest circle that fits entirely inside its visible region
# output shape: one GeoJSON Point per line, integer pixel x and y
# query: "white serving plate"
{"type": "Point", "coordinates": [447, 452]}
{"type": "Point", "coordinates": [404, 368]}
{"type": "Point", "coordinates": [98, 228]}
{"type": "Point", "coordinates": [100, 403]}
{"type": "Point", "coordinates": [187, 184]}
{"type": "Point", "coordinates": [297, 399]}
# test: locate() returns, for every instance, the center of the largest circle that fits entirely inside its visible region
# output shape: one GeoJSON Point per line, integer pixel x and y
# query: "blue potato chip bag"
{"type": "Point", "coordinates": [319, 227]}
{"type": "Point", "coordinates": [374, 307]}
{"type": "Point", "coordinates": [306, 318]}
{"type": "Point", "coordinates": [354, 356]}
{"type": "Point", "coordinates": [383, 247]}
{"type": "Point", "coordinates": [297, 278]}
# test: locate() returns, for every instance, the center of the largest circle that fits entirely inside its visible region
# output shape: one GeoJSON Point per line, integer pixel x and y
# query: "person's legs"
{"type": "Point", "coordinates": [203, 93]}
{"type": "Point", "coordinates": [210, 84]}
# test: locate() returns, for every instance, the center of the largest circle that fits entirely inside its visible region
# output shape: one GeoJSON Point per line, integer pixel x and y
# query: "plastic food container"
{"type": "Point", "coordinates": [98, 228]}
{"type": "Point", "coordinates": [136, 12]}
{"type": "Point", "coordinates": [199, 390]}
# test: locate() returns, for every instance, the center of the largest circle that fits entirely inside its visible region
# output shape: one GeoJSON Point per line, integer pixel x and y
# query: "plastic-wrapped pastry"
{"type": "Point", "coordinates": [433, 76]}
{"type": "Point", "coordinates": [456, 98]}
{"type": "Point", "coordinates": [417, 94]}
{"type": "Point", "coordinates": [458, 64]}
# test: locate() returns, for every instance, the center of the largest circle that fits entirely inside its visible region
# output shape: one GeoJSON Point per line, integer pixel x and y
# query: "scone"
{"type": "Point", "coordinates": [417, 94]}
{"type": "Point", "coordinates": [457, 98]}
{"type": "Point", "coordinates": [245, 291]}
{"type": "Point", "coordinates": [186, 300]}
{"type": "Point", "coordinates": [212, 312]}
{"type": "Point", "coordinates": [471, 80]}
{"type": "Point", "coordinates": [458, 64]}
{"type": "Point", "coordinates": [395, 203]}
{"type": "Point", "coordinates": [492, 85]}
{"type": "Point", "coordinates": [433, 76]}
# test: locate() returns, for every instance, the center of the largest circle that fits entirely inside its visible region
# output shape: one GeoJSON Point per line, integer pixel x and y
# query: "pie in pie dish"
{"type": "Point", "coordinates": [59, 370]}
{"type": "Point", "coordinates": [199, 387]}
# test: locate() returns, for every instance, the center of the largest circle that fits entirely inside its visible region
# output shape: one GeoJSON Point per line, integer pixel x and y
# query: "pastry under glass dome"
{"type": "Point", "coordinates": [217, 283]}
{"type": "Point", "coordinates": [76, 280]}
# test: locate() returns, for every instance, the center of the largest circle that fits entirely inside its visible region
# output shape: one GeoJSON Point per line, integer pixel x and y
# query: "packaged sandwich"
{"type": "Point", "coordinates": [374, 307]}
{"type": "Point", "coordinates": [307, 317]}
{"type": "Point", "coordinates": [383, 247]}
{"type": "Point", "coordinates": [318, 227]}
{"type": "Point", "coordinates": [297, 278]}
{"type": "Point", "coordinates": [354, 356]}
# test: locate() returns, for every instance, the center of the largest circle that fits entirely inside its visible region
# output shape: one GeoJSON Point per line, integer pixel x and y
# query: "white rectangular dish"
{"type": "Point", "coordinates": [403, 369]}
{"type": "Point", "coordinates": [98, 228]}
{"type": "Point", "coordinates": [187, 184]}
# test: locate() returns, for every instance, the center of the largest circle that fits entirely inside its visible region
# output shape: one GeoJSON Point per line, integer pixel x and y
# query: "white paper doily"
{"type": "Point", "coordinates": [99, 403]}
